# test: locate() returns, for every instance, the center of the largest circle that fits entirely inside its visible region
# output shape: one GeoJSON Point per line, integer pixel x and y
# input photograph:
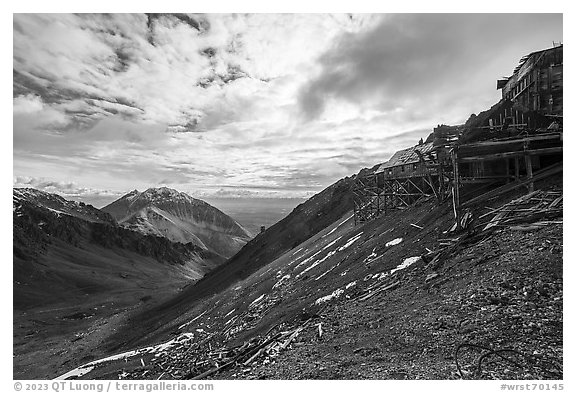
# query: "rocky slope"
{"type": "Point", "coordinates": [384, 299]}
{"type": "Point", "coordinates": [180, 218]}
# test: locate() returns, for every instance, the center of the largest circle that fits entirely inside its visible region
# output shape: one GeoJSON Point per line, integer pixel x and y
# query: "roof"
{"type": "Point", "coordinates": [525, 58]}
{"type": "Point", "coordinates": [406, 156]}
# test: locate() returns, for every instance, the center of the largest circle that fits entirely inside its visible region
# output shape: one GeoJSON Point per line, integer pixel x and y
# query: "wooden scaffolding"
{"type": "Point", "coordinates": [459, 172]}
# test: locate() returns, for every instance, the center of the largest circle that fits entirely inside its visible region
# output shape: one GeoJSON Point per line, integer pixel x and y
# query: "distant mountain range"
{"type": "Point", "coordinates": [65, 249]}
{"type": "Point", "coordinates": [180, 218]}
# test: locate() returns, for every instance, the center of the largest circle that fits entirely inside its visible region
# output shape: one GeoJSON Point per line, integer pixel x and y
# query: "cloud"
{"type": "Point", "coordinates": [215, 102]}
{"type": "Point", "coordinates": [160, 68]}
{"type": "Point", "coordinates": [66, 189]}
{"type": "Point", "coordinates": [29, 103]}
{"type": "Point", "coordinates": [417, 60]}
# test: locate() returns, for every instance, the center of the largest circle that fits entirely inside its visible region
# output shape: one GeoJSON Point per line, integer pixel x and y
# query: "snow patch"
{"type": "Point", "coordinates": [331, 253]}
{"type": "Point", "coordinates": [398, 240]}
{"type": "Point", "coordinates": [407, 262]}
{"type": "Point", "coordinates": [350, 285]}
{"type": "Point", "coordinates": [86, 368]}
{"type": "Point", "coordinates": [337, 226]}
{"type": "Point", "coordinates": [350, 241]}
{"type": "Point", "coordinates": [334, 295]}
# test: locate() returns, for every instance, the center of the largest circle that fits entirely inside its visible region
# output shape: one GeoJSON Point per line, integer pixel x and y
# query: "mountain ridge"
{"type": "Point", "coordinates": [179, 217]}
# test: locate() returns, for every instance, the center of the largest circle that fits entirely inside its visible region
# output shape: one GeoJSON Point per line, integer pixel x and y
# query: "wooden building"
{"type": "Point", "coordinates": [407, 176]}
{"type": "Point", "coordinates": [536, 83]}
{"type": "Point", "coordinates": [513, 144]}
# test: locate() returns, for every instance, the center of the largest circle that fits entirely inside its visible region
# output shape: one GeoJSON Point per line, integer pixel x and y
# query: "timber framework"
{"type": "Point", "coordinates": [515, 143]}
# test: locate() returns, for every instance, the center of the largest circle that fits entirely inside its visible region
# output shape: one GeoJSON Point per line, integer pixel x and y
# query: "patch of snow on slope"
{"type": "Point", "coordinates": [334, 295]}
{"type": "Point", "coordinates": [318, 252]}
{"type": "Point", "coordinates": [407, 262]}
{"type": "Point", "coordinates": [86, 368]}
{"type": "Point", "coordinates": [394, 242]}
{"type": "Point", "coordinates": [317, 262]}
{"type": "Point", "coordinates": [350, 241]}
{"type": "Point", "coordinates": [337, 226]}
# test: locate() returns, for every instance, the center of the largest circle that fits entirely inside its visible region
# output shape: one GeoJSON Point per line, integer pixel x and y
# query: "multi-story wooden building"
{"type": "Point", "coordinates": [536, 83]}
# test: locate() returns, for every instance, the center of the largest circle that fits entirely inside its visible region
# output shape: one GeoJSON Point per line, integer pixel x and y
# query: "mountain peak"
{"type": "Point", "coordinates": [166, 193]}
{"type": "Point", "coordinates": [56, 204]}
{"type": "Point", "coordinates": [166, 212]}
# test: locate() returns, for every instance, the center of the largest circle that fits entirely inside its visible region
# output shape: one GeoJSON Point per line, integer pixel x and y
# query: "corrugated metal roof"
{"type": "Point", "coordinates": [406, 156]}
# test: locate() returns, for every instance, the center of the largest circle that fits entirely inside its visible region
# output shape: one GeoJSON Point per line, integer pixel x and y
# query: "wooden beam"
{"type": "Point", "coordinates": [456, 188]}
{"type": "Point", "coordinates": [528, 160]}
{"type": "Point", "coordinates": [541, 174]}
{"type": "Point", "coordinates": [498, 156]}
{"type": "Point", "coordinates": [555, 135]}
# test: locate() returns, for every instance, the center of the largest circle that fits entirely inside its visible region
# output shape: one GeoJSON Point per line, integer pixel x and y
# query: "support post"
{"type": "Point", "coordinates": [528, 160]}
{"type": "Point", "coordinates": [456, 187]}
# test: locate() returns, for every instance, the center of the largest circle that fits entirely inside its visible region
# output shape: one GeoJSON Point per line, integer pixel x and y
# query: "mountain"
{"type": "Point", "coordinates": [50, 233]}
{"type": "Point", "coordinates": [58, 205]}
{"type": "Point", "coordinates": [180, 218]}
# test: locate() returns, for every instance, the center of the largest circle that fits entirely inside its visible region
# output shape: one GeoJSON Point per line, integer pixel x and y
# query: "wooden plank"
{"type": "Point", "coordinates": [497, 156]}
{"type": "Point", "coordinates": [542, 137]}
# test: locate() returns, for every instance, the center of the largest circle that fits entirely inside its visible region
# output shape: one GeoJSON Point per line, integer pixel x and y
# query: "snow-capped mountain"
{"type": "Point", "coordinates": [62, 247]}
{"type": "Point", "coordinates": [179, 217]}
{"type": "Point", "coordinates": [57, 204]}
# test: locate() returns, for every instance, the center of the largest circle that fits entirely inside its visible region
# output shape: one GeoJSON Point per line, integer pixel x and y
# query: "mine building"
{"type": "Point", "coordinates": [515, 143]}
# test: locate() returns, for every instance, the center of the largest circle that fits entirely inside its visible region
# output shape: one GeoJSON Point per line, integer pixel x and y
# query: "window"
{"type": "Point", "coordinates": [402, 168]}
{"type": "Point", "coordinates": [415, 166]}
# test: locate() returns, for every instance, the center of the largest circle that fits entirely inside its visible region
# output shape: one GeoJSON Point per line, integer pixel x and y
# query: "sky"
{"type": "Point", "coordinates": [252, 105]}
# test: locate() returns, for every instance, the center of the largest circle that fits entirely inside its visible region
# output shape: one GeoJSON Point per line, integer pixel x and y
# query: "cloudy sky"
{"type": "Point", "coordinates": [245, 105]}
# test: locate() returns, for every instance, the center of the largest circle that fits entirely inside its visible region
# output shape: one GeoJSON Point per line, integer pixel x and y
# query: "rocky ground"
{"type": "Point", "coordinates": [400, 297]}
{"type": "Point", "coordinates": [504, 293]}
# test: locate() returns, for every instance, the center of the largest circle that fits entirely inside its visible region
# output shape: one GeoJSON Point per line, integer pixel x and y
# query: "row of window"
{"type": "Point", "coordinates": [521, 85]}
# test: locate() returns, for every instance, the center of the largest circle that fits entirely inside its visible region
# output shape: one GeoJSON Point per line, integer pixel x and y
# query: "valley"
{"type": "Point", "coordinates": [78, 275]}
